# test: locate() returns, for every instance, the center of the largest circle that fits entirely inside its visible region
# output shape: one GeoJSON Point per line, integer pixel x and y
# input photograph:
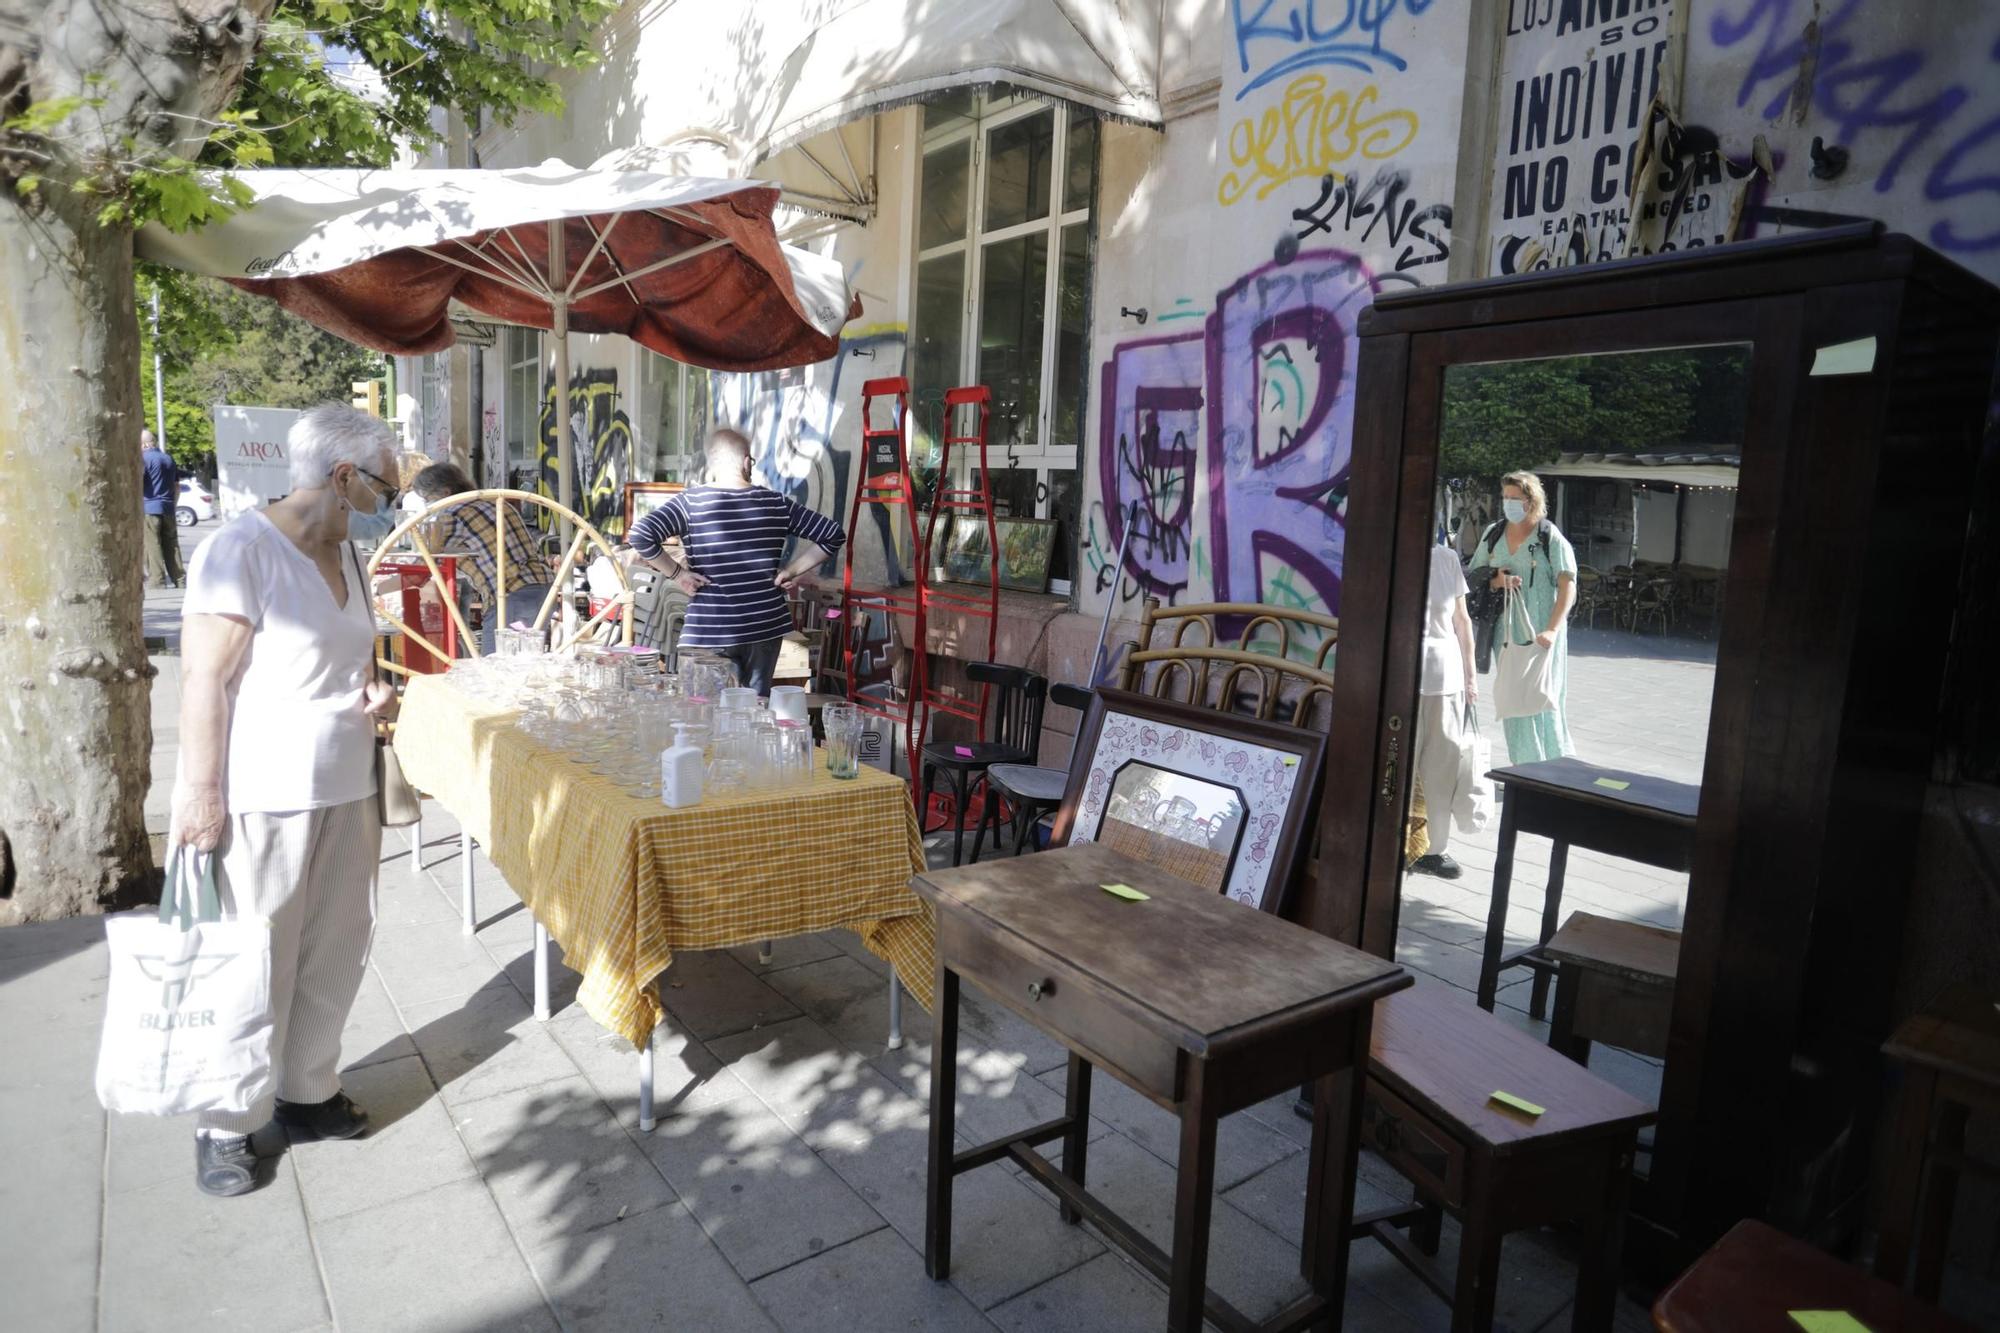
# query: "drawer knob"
{"type": "Point", "coordinates": [1037, 989]}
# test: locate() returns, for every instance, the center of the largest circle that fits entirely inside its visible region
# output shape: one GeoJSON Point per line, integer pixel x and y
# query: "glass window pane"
{"type": "Point", "coordinates": [1013, 292]}
{"type": "Point", "coordinates": [1017, 170]}
{"type": "Point", "coordinates": [1065, 505]}
{"type": "Point", "coordinates": [1080, 172]}
{"type": "Point", "coordinates": [947, 176]}
{"type": "Point", "coordinates": [1072, 365]}
{"type": "Point", "coordinates": [949, 110]}
{"type": "Point", "coordinates": [938, 358]}
{"type": "Point", "coordinates": [694, 420]}
{"type": "Point", "coordinates": [1014, 489]}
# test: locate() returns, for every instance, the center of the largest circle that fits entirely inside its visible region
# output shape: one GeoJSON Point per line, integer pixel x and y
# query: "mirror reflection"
{"type": "Point", "coordinates": [1151, 806]}
{"type": "Point", "coordinates": [1573, 604]}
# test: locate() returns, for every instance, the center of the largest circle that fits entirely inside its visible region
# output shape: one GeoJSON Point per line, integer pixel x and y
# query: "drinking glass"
{"type": "Point", "coordinates": [795, 752]}
{"type": "Point", "coordinates": [740, 697]}
{"type": "Point", "coordinates": [843, 744]}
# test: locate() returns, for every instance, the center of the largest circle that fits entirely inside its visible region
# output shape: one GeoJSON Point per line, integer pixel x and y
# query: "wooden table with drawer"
{"type": "Point", "coordinates": [1200, 1004]}
{"type": "Point", "coordinates": [1435, 1062]}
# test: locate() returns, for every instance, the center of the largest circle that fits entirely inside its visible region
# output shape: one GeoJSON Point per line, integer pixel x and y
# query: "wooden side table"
{"type": "Point", "coordinates": [1614, 983]}
{"type": "Point", "coordinates": [1200, 1004]}
{"type": "Point", "coordinates": [1632, 815]}
{"type": "Point", "coordinates": [1950, 1054]}
{"type": "Point", "coordinates": [1436, 1061]}
{"type": "Point", "coordinates": [1755, 1276]}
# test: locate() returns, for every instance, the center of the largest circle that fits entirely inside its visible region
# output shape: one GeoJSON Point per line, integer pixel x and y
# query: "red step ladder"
{"type": "Point", "coordinates": [964, 502]}
{"type": "Point", "coordinates": [869, 615]}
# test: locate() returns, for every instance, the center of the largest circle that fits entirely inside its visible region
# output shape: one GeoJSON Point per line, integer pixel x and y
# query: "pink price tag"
{"type": "Point", "coordinates": [963, 750]}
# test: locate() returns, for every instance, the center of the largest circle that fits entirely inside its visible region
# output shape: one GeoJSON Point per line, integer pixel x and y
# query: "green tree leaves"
{"type": "Point", "coordinates": [1502, 416]}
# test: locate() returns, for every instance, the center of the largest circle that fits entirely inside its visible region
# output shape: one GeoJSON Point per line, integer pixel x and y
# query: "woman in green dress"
{"type": "Point", "coordinates": [1528, 554]}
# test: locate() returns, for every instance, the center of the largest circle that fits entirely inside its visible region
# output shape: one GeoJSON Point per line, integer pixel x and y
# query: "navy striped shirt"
{"type": "Point", "coordinates": [735, 538]}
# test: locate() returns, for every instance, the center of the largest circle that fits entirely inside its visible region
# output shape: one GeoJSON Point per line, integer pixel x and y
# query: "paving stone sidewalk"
{"type": "Point", "coordinates": [507, 1186]}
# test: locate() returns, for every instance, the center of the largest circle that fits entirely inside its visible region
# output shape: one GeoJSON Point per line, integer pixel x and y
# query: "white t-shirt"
{"type": "Point", "coordinates": [1444, 669]}
{"type": "Point", "coordinates": [298, 739]}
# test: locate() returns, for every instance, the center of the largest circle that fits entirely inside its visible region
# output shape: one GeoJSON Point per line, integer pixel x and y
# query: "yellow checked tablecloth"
{"type": "Point", "coordinates": [622, 882]}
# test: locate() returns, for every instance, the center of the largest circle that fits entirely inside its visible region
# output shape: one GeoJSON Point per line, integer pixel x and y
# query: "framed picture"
{"type": "Point", "coordinates": [960, 552]}
{"type": "Point", "coordinates": [1216, 799]}
{"type": "Point", "coordinates": [1025, 547]}
{"type": "Point", "coordinates": [643, 497]}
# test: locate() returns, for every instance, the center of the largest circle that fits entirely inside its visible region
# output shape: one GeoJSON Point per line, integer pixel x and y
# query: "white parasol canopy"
{"type": "Point", "coordinates": [687, 266]}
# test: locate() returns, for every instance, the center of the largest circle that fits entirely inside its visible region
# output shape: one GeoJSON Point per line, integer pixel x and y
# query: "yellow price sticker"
{"type": "Point", "coordinates": [1612, 784]}
{"type": "Point", "coordinates": [1125, 891]}
{"type": "Point", "coordinates": [1827, 1321]}
{"type": "Point", "coordinates": [1518, 1103]}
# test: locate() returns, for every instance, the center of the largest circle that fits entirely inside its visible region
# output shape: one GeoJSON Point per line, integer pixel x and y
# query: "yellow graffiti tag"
{"type": "Point", "coordinates": [1306, 134]}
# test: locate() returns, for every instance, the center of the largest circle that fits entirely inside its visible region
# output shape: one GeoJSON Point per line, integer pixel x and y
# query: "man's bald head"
{"type": "Point", "coordinates": [728, 455]}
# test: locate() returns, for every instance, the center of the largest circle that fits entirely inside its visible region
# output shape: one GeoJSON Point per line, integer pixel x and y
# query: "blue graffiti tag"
{"type": "Point", "coordinates": [1874, 92]}
{"type": "Point", "coordinates": [1308, 33]}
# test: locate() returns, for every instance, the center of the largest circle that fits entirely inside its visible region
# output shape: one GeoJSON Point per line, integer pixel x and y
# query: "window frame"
{"type": "Point", "coordinates": [1044, 456]}
{"type": "Point", "coordinates": [530, 406]}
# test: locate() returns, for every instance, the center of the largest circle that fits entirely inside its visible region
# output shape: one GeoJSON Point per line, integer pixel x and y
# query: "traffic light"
{"type": "Point", "coordinates": [368, 396]}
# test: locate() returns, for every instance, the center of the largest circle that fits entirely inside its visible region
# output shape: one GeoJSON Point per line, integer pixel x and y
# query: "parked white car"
{"type": "Point", "coordinates": [195, 504]}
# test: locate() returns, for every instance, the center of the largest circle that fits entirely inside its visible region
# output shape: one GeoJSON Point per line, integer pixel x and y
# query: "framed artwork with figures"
{"type": "Point", "coordinates": [1213, 798]}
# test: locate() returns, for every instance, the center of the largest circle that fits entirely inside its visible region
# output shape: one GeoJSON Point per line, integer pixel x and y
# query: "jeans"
{"type": "Point", "coordinates": [522, 604]}
{"type": "Point", "coordinates": [754, 662]}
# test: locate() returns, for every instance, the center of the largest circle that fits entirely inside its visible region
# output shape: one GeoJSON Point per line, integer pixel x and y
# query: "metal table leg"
{"type": "Point", "coordinates": [646, 1085]}
{"type": "Point", "coordinates": [417, 842]}
{"type": "Point", "coordinates": [470, 922]}
{"type": "Point", "coordinates": [764, 953]}
{"type": "Point", "coordinates": [542, 974]}
{"type": "Point", "coordinates": [895, 1010]}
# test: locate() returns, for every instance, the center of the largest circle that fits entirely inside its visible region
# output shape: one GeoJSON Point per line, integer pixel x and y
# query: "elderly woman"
{"type": "Point", "coordinates": [1524, 552]}
{"type": "Point", "coordinates": [277, 774]}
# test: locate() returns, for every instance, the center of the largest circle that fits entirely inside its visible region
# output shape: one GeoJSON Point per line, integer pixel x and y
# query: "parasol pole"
{"type": "Point", "coordinates": [565, 449]}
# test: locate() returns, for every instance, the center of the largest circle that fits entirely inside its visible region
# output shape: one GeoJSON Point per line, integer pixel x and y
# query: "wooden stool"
{"type": "Point", "coordinates": [1435, 1061]}
{"type": "Point", "coordinates": [1756, 1276]}
{"type": "Point", "coordinates": [1200, 1004]}
{"type": "Point", "coordinates": [1950, 1055]}
{"type": "Point", "coordinates": [1614, 983]}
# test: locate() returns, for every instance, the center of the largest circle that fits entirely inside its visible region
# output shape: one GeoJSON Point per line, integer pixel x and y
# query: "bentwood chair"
{"type": "Point", "coordinates": [1033, 790]}
{"type": "Point", "coordinates": [1015, 710]}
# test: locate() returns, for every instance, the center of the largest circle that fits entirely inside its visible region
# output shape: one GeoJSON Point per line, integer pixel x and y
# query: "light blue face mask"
{"type": "Point", "coordinates": [1516, 510]}
{"type": "Point", "coordinates": [370, 528]}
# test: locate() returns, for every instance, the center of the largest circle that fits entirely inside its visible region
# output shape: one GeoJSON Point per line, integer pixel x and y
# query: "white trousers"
{"type": "Point", "coordinates": [312, 873]}
{"type": "Point", "coordinates": [1440, 740]}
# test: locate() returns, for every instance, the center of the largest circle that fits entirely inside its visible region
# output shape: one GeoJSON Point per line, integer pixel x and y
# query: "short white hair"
{"type": "Point", "coordinates": [332, 434]}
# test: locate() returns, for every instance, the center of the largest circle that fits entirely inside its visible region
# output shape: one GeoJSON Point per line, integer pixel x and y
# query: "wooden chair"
{"type": "Point", "coordinates": [1032, 789]}
{"type": "Point", "coordinates": [1179, 656]}
{"type": "Point", "coordinates": [1019, 696]}
{"type": "Point", "coordinates": [416, 525]}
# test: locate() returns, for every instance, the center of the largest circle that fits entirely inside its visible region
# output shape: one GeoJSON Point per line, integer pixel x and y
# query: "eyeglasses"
{"type": "Point", "coordinates": [389, 490]}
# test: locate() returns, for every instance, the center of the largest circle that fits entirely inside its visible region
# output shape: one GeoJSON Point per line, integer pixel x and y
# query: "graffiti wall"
{"type": "Point", "coordinates": [1225, 420]}
{"type": "Point", "coordinates": [601, 446]}
{"type": "Point", "coordinates": [1910, 94]}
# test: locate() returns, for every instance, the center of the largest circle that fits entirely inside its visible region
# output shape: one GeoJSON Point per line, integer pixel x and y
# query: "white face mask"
{"type": "Point", "coordinates": [1516, 510]}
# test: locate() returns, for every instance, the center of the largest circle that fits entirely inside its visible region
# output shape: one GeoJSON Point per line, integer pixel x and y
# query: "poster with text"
{"type": "Point", "coordinates": [251, 463]}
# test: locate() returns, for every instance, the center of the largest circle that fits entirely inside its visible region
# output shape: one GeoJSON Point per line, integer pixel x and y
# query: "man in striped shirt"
{"type": "Point", "coordinates": [734, 533]}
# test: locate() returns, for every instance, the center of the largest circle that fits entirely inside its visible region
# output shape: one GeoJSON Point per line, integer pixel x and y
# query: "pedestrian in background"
{"type": "Point", "coordinates": [467, 531]}
{"type": "Point", "coordinates": [277, 764]}
{"type": "Point", "coordinates": [735, 533]}
{"type": "Point", "coordinates": [1525, 554]}
{"type": "Point", "coordinates": [162, 482]}
{"type": "Point", "coordinates": [1448, 685]}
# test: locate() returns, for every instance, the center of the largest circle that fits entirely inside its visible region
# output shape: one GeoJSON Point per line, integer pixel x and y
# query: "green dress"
{"type": "Point", "coordinates": [1545, 735]}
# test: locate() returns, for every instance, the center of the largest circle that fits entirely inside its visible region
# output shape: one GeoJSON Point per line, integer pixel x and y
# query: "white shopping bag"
{"type": "Point", "coordinates": [187, 1015]}
{"type": "Point", "coordinates": [1476, 796]}
{"type": "Point", "coordinates": [1523, 670]}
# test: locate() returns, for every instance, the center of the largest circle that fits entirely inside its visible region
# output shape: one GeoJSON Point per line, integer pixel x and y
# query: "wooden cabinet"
{"type": "Point", "coordinates": [1846, 556]}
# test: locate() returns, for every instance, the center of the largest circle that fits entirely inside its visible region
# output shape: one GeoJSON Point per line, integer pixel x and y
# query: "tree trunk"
{"type": "Point", "coordinates": [75, 728]}
{"type": "Point", "coordinates": [75, 734]}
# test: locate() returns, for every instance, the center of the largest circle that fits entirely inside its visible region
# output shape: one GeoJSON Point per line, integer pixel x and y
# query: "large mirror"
{"type": "Point", "coordinates": [1575, 599]}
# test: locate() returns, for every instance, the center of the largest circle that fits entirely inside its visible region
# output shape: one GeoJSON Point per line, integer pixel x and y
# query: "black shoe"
{"type": "Point", "coordinates": [334, 1118]}
{"type": "Point", "coordinates": [225, 1166]}
{"type": "Point", "coordinates": [1436, 864]}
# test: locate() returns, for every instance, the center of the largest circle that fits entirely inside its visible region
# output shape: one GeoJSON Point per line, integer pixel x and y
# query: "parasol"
{"type": "Point", "coordinates": [687, 266]}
